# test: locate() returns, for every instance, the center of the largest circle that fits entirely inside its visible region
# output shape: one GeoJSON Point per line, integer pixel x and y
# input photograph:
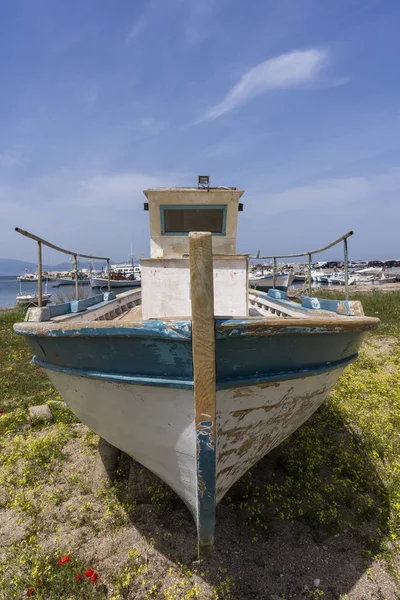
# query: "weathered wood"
{"type": "Point", "coordinates": [203, 348]}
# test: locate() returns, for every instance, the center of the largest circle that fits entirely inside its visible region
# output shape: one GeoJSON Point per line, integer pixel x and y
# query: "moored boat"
{"type": "Point", "coordinates": [266, 282]}
{"type": "Point", "coordinates": [32, 299]}
{"type": "Point", "coordinates": [123, 282]}
{"type": "Point", "coordinates": [28, 277]}
{"type": "Point", "coordinates": [195, 375]}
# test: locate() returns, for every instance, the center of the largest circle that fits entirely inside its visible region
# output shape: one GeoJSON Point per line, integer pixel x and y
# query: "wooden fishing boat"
{"type": "Point", "coordinates": [195, 375]}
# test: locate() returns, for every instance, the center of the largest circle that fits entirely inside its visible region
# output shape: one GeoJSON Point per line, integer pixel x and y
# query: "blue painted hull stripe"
{"type": "Point", "coordinates": [223, 384]}
{"type": "Point", "coordinates": [116, 377]}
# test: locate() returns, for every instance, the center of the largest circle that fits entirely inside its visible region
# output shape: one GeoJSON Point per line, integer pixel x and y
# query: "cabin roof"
{"type": "Point", "coordinates": [220, 188]}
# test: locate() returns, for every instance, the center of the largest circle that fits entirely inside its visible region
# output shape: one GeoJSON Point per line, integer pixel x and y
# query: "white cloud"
{"type": "Point", "coordinates": [122, 190]}
{"type": "Point", "coordinates": [13, 158]}
{"type": "Point", "coordinates": [151, 126]}
{"type": "Point", "coordinates": [135, 31]}
{"type": "Point", "coordinates": [97, 213]}
{"type": "Point", "coordinates": [284, 71]}
{"type": "Point", "coordinates": [328, 194]}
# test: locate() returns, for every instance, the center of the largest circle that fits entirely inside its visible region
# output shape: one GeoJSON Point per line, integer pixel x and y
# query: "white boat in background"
{"type": "Point", "coordinates": [369, 271]}
{"type": "Point", "coordinates": [28, 277]}
{"type": "Point", "coordinates": [383, 278]}
{"type": "Point", "coordinates": [70, 281]}
{"type": "Point", "coordinates": [102, 282]}
{"type": "Point", "coordinates": [320, 277]}
{"type": "Point", "coordinates": [266, 282]}
{"type": "Point", "coordinates": [340, 279]}
{"type": "Point", "coordinates": [32, 299]}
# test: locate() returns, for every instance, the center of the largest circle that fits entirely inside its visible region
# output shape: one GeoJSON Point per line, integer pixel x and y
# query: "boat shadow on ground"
{"type": "Point", "coordinates": [309, 516]}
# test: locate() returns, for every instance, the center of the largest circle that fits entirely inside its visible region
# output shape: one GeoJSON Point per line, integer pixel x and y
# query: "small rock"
{"type": "Point", "coordinates": [306, 588]}
{"type": "Point", "coordinates": [324, 547]}
{"type": "Point", "coordinates": [275, 597]}
{"type": "Point", "coordinates": [40, 413]}
{"type": "Point", "coordinates": [317, 582]}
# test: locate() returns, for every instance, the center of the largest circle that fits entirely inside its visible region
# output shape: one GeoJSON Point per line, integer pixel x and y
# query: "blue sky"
{"type": "Point", "coordinates": [296, 101]}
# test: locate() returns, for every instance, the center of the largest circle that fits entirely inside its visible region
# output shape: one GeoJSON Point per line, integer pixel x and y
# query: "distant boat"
{"type": "Point", "coordinates": [28, 276]}
{"type": "Point", "coordinates": [32, 299]}
{"type": "Point", "coordinates": [97, 282]}
{"type": "Point", "coordinates": [266, 282]}
{"type": "Point", "coordinates": [196, 376]}
{"type": "Point", "coordinates": [70, 280]}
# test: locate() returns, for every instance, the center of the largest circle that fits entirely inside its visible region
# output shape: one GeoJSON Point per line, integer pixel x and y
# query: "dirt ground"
{"type": "Point", "coordinates": [287, 561]}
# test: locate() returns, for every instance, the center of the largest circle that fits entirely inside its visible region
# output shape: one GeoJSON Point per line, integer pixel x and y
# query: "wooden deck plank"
{"type": "Point", "coordinates": [133, 314]}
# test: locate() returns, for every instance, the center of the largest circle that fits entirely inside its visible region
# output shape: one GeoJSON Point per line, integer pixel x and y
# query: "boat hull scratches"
{"type": "Point", "coordinates": [157, 426]}
{"type": "Point", "coordinates": [253, 420]}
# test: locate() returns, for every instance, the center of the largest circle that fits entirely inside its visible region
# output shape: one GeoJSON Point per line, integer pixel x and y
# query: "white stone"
{"type": "Point", "coordinates": [40, 413]}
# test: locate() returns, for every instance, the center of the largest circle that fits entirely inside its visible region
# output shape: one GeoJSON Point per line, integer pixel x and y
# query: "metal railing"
{"type": "Point", "coordinates": [76, 255]}
{"type": "Point", "coordinates": [310, 253]}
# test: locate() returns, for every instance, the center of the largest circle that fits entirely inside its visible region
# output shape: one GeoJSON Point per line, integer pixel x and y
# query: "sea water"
{"type": "Point", "coordinates": [10, 288]}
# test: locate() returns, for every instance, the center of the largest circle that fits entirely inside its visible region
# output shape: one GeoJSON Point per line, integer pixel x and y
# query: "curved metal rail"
{"type": "Point", "coordinates": [309, 253]}
{"type": "Point", "coordinates": [41, 241]}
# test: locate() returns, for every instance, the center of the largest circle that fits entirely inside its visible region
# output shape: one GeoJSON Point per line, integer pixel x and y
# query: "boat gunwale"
{"type": "Point", "coordinates": [224, 327]}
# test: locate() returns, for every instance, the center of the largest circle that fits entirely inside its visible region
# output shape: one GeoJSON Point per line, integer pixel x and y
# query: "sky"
{"type": "Point", "coordinates": [296, 102]}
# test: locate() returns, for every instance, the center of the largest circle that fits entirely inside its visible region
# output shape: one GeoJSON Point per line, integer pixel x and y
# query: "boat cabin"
{"type": "Point", "coordinates": [174, 213]}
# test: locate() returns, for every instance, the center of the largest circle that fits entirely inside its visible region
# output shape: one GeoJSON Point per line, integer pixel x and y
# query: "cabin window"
{"type": "Point", "coordinates": [180, 220]}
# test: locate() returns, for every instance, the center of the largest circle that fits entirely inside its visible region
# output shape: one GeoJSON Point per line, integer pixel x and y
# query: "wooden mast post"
{"type": "Point", "coordinates": [203, 348]}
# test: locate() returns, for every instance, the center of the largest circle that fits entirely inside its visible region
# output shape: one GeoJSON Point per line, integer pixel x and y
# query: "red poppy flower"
{"type": "Point", "coordinates": [78, 577]}
{"type": "Point", "coordinates": [1, 412]}
{"type": "Point", "coordinates": [93, 577]}
{"type": "Point", "coordinates": [89, 573]}
{"type": "Point", "coordinates": [63, 559]}
{"type": "Point", "coordinates": [30, 591]}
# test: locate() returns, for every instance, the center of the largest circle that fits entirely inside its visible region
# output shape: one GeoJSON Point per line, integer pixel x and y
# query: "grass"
{"type": "Point", "coordinates": [339, 472]}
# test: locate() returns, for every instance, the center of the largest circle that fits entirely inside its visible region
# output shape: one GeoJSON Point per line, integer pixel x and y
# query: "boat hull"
{"type": "Point", "coordinates": [124, 283]}
{"type": "Point", "coordinates": [156, 425]}
{"type": "Point", "coordinates": [282, 282]}
{"type": "Point", "coordinates": [69, 281]}
{"type": "Point", "coordinates": [133, 382]}
{"type": "Point", "coordinates": [33, 300]}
